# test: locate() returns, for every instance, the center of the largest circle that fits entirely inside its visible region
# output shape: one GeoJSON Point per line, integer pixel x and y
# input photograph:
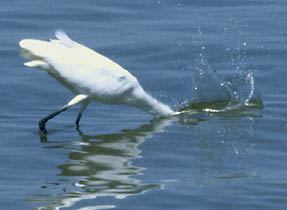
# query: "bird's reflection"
{"type": "Point", "coordinates": [103, 164]}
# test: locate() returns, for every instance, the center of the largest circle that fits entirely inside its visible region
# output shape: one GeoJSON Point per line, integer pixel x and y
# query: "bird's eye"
{"type": "Point", "coordinates": [121, 78]}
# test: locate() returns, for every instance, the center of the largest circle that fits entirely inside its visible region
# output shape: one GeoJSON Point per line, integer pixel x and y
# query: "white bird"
{"type": "Point", "coordinates": [89, 75]}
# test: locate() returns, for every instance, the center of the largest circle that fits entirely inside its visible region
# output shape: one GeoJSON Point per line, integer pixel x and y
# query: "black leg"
{"type": "Point", "coordinates": [78, 120]}
{"type": "Point", "coordinates": [84, 105]}
{"type": "Point", "coordinates": [43, 122]}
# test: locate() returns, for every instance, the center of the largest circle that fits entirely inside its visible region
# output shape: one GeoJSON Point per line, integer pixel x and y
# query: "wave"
{"type": "Point", "coordinates": [212, 94]}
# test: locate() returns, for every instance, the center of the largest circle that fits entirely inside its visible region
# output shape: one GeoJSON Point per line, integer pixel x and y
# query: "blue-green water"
{"type": "Point", "coordinates": [193, 55]}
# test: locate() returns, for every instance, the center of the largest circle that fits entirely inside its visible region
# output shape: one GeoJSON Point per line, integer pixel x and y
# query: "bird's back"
{"type": "Point", "coordinates": [79, 68]}
{"type": "Point", "coordinates": [66, 51]}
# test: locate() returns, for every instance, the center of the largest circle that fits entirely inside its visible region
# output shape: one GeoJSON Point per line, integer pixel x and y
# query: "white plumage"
{"type": "Point", "coordinates": [89, 75]}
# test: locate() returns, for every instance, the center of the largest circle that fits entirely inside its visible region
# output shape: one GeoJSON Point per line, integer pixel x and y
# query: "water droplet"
{"type": "Point", "coordinates": [199, 30]}
{"type": "Point", "coordinates": [236, 151]}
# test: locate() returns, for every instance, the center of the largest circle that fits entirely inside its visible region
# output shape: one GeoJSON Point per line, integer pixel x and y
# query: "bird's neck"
{"type": "Point", "coordinates": [150, 105]}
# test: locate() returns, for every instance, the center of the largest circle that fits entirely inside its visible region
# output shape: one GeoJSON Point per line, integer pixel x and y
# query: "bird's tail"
{"type": "Point", "coordinates": [35, 48]}
{"type": "Point", "coordinates": [38, 51]}
{"type": "Point", "coordinates": [35, 51]}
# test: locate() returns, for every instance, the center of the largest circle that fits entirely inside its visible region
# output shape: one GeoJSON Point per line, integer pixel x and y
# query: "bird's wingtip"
{"type": "Point", "coordinates": [64, 38]}
{"type": "Point", "coordinates": [60, 33]}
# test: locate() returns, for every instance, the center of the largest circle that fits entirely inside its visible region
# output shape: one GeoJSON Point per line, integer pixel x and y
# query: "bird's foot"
{"type": "Point", "coordinates": [42, 131]}
{"type": "Point", "coordinates": [42, 128]}
{"type": "Point", "coordinates": [77, 126]}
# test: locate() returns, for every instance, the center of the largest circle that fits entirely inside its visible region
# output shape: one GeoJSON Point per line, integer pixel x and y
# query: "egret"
{"type": "Point", "coordinates": [89, 75]}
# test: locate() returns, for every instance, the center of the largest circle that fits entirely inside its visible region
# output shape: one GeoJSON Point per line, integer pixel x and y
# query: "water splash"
{"type": "Point", "coordinates": [212, 94]}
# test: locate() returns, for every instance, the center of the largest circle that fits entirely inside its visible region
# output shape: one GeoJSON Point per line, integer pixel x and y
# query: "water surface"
{"type": "Point", "coordinates": [198, 56]}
